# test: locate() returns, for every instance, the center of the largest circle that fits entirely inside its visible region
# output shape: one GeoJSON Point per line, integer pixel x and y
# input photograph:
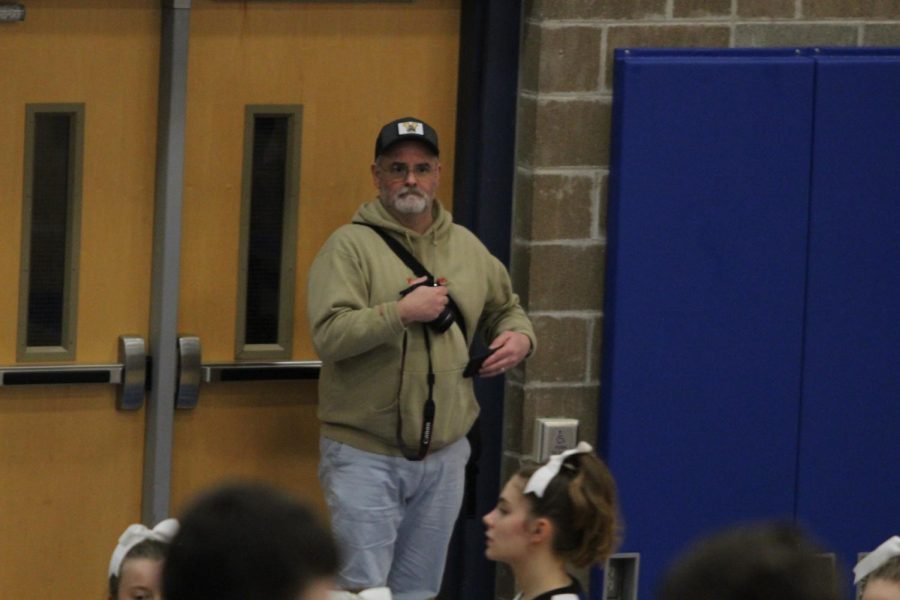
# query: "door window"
{"type": "Point", "coordinates": [47, 301]}
{"type": "Point", "coordinates": [268, 231]}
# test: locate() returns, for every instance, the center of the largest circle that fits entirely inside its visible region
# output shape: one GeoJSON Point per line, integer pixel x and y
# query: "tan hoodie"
{"type": "Point", "coordinates": [354, 286]}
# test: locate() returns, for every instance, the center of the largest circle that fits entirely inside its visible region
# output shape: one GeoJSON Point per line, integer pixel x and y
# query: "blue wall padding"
{"type": "Point", "coordinates": [849, 472]}
{"type": "Point", "coordinates": [705, 293]}
{"type": "Point", "coordinates": [752, 307]}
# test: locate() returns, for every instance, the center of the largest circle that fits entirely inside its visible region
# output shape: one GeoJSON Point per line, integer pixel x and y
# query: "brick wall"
{"type": "Point", "coordinates": [562, 167]}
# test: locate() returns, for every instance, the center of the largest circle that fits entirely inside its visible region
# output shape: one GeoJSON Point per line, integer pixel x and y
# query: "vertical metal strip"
{"type": "Point", "coordinates": [166, 259]}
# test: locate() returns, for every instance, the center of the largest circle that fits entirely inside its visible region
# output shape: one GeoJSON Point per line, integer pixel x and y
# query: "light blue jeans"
{"type": "Point", "coordinates": [393, 517]}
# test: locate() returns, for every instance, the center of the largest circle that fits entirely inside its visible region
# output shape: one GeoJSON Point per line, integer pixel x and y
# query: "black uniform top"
{"type": "Point", "coordinates": [569, 592]}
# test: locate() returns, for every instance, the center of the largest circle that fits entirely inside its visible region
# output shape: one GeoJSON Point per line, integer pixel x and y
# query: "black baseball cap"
{"type": "Point", "coordinates": [407, 128]}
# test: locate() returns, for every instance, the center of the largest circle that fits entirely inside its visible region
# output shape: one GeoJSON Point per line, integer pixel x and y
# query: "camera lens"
{"type": "Point", "coordinates": [443, 321]}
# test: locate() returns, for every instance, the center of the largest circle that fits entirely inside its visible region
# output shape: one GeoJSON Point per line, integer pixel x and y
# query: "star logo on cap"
{"type": "Point", "coordinates": [410, 127]}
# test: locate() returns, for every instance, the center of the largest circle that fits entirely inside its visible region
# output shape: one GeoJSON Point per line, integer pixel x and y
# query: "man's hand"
{"type": "Point", "coordinates": [423, 304]}
{"type": "Point", "coordinates": [511, 348]}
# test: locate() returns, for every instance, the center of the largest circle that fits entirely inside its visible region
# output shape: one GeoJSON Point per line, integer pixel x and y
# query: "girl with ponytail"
{"type": "Point", "coordinates": [564, 512]}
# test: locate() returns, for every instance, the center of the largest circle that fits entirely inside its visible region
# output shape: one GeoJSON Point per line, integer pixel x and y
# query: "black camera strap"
{"type": "Point", "coordinates": [420, 271]}
{"type": "Point", "coordinates": [427, 412]}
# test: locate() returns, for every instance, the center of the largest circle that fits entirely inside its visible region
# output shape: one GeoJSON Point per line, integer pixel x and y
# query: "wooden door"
{"type": "Point", "coordinates": [70, 463]}
{"type": "Point", "coordinates": [340, 70]}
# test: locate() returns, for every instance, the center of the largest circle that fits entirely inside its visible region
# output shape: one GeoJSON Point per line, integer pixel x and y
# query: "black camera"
{"type": "Point", "coordinates": [443, 321]}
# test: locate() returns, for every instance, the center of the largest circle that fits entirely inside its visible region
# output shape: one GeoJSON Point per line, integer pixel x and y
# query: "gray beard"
{"type": "Point", "coordinates": [410, 205]}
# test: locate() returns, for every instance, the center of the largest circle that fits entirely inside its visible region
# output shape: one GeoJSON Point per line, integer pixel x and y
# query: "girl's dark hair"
{"type": "Point", "coordinates": [152, 549]}
{"type": "Point", "coordinates": [889, 571]}
{"type": "Point", "coordinates": [581, 502]}
{"type": "Point", "coordinates": [752, 562]}
{"type": "Point", "coordinates": [247, 542]}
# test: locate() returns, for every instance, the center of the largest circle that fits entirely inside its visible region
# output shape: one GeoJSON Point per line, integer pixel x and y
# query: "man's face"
{"type": "Point", "coordinates": [407, 176]}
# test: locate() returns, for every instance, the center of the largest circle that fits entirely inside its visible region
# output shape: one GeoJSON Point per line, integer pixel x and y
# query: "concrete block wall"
{"type": "Point", "coordinates": [562, 168]}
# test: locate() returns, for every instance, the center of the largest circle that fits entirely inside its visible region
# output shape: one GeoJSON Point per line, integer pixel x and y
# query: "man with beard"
{"type": "Point", "coordinates": [393, 335]}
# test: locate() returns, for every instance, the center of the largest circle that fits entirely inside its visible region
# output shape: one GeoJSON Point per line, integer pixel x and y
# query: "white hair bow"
{"type": "Point", "coordinates": [538, 482]}
{"type": "Point", "coordinates": [135, 534]}
{"type": "Point", "coordinates": [876, 558]}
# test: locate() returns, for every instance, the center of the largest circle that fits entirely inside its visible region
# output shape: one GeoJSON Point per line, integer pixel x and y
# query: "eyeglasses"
{"type": "Point", "coordinates": [399, 171]}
